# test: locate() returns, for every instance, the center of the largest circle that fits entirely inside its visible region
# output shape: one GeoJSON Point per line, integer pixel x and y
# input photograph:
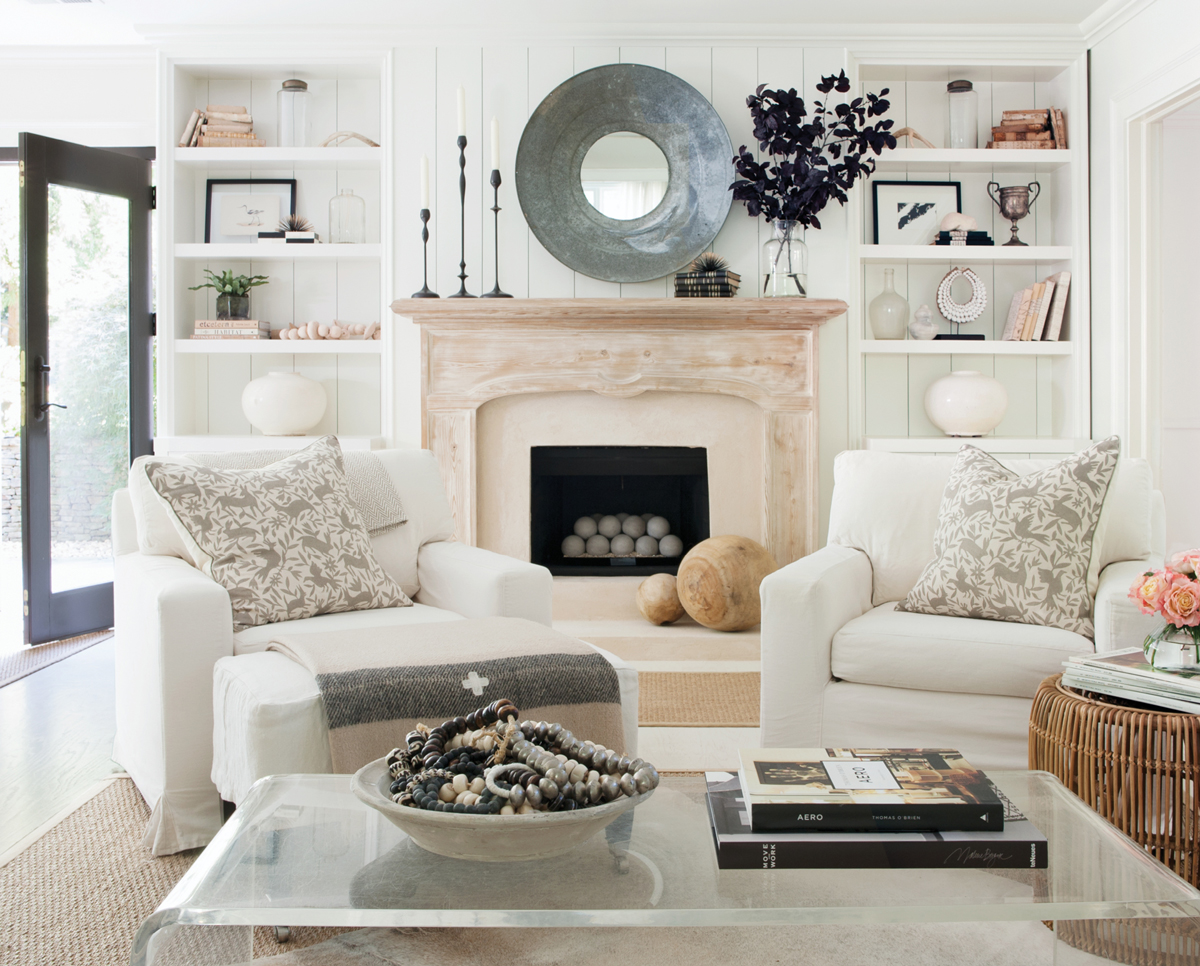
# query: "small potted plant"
{"type": "Point", "coordinates": [809, 161]}
{"type": "Point", "coordinates": [233, 292]}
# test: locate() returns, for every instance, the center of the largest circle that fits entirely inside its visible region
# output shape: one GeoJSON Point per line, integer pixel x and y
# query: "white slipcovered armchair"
{"type": "Point", "coordinates": [842, 668]}
{"type": "Point", "coordinates": [177, 655]}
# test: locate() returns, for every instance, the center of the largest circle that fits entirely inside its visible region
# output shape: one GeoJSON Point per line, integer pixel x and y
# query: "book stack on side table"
{"type": "Point", "coordinates": [231, 329]}
{"type": "Point", "coordinates": [865, 808]}
{"type": "Point", "coordinates": [1127, 675]}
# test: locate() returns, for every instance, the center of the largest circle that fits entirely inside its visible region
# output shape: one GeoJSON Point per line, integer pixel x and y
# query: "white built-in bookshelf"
{"type": "Point", "coordinates": [1047, 382]}
{"type": "Point", "coordinates": [200, 383]}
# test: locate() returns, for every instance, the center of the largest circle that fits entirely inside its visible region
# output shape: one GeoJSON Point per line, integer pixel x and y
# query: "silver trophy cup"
{"type": "Point", "coordinates": [1014, 204]}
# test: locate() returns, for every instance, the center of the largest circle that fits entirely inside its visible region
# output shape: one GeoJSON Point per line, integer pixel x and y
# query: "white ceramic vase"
{"type": "Point", "coordinates": [888, 311]}
{"type": "Point", "coordinates": [966, 403]}
{"type": "Point", "coordinates": [284, 404]}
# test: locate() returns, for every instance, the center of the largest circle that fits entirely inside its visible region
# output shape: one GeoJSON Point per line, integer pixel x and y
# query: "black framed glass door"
{"type": "Point", "coordinates": [86, 371]}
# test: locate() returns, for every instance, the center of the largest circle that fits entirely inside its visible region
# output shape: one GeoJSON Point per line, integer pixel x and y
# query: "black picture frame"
{"type": "Point", "coordinates": [876, 185]}
{"type": "Point", "coordinates": [208, 196]}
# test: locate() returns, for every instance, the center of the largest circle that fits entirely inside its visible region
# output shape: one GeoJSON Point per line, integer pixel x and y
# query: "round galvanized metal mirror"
{"type": "Point", "coordinates": [592, 182]}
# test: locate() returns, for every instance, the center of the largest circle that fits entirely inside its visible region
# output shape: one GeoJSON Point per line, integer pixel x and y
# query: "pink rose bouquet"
{"type": "Point", "coordinates": [1173, 592]}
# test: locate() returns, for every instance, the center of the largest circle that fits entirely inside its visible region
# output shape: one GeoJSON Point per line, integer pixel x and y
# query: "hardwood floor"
{"type": "Point", "coordinates": [56, 737]}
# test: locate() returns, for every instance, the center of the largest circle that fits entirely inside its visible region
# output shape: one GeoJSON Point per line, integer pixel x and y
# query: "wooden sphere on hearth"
{"type": "Point", "coordinates": [658, 600]}
{"type": "Point", "coordinates": [718, 582]}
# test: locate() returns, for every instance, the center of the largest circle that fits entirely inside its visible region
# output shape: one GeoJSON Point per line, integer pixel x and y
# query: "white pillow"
{"type": "Point", "coordinates": [156, 532]}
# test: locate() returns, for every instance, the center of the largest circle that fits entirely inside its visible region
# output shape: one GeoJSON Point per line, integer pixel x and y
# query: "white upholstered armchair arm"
{"type": "Point", "coordinates": [1119, 623]}
{"type": "Point", "coordinates": [803, 606]}
{"type": "Point", "coordinates": [479, 583]}
{"type": "Point", "coordinates": [172, 624]}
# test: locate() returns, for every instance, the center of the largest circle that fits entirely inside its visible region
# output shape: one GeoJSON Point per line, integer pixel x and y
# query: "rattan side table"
{"type": "Point", "coordinates": [1138, 768]}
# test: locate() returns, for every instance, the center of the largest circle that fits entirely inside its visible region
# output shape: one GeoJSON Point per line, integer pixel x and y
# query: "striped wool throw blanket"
{"type": "Point", "coordinates": [378, 683]}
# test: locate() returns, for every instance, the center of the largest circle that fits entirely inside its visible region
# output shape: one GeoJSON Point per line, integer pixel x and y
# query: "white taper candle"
{"type": "Point", "coordinates": [424, 180]}
{"type": "Point", "coordinates": [462, 111]}
{"type": "Point", "coordinates": [495, 145]}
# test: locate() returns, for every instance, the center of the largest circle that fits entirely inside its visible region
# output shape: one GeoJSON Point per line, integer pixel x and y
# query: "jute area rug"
{"type": "Point", "coordinates": [676, 699]}
{"type": "Point", "coordinates": [18, 664]}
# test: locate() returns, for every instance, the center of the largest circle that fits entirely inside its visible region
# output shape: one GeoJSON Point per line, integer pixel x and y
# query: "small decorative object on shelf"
{"type": "Point", "coordinates": [347, 219]}
{"type": "Point", "coordinates": [913, 135]}
{"type": "Point", "coordinates": [426, 292]}
{"type": "Point", "coordinates": [922, 327]}
{"type": "Point", "coordinates": [957, 313]}
{"type": "Point", "coordinates": [888, 310]}
{"type": "Point", "coordinates": [959, 229]}
{"type": "Point", "coordinates": [292, 106]}
{"type": "Point", "coordinates": [232, 215]}
{"type": "Point", "coordinates": [233, 292]}
{"type": "Point", "coordinates": [962, 104]}
{"type": "Point", "coordinates": [812, 158]}
{"type": "Point", "coordinates": [909, 212]}
{"type": "Point", "coordinates": [462, 292]}
{"type": "Point", "coordinates": [334, 331]}
{"type": "Point", "coordinates": [708, 276]}
{"type": "Point", "coordinates": [220, 126]}
{"type": "Point", "coordinates": [1014, 202]}
{"type": "Point", "coordinates": [1036, 313]}
{"type": "Point", "coordinates": [485, 763]}
{"type": "Point", "coordinates": [966, 403]}
{"type": "Point", "coordinates": [231, 329]}
{"type": "Point", "coordinates": [293, 230]}
{"type": "Point", "coordinates": [1037, 129]}
{"type": "Point", "coordinates": [340, 138]}
{"type": "Point", "coordinates": [284, 403]}
{"type": "Point", "coordinates": [1173, 592]}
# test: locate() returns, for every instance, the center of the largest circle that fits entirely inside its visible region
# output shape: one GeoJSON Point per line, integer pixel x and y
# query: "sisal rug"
{"type": "Point", "coordinates": [18, 664]}
{"type": "Point", "coordinates": [677, 699]}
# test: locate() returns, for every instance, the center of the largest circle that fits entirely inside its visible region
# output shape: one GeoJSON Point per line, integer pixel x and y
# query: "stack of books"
{"type": "Point", "coordinates": [1036, 313]}
{"type": "Point", "coordinates": [719, 284]}
{"type": "Point", "coordinates": [220, 126]}
{"type": "Point", "coordinates": [821, 808]}
{"type": "Point", "coordinates": [1126, 674]}
{"type": "Point", "coordinates": [1044, 128]}
{"type": "Point", "coordinates": [231, 329]}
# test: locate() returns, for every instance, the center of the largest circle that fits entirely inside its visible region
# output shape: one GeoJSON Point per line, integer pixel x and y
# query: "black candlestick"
{"type": "Point", "coordinates": [425, 292]}
{"type": "Point", "coordinates": [462, 292]}
{"type": "Point", "coordinates": [495, 293]}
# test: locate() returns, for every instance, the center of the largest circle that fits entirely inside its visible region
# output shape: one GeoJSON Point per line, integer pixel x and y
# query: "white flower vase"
{"type": "Point", "coordinates": [284, 404]}
{"type": "Point", "coordinates": [966, 403]}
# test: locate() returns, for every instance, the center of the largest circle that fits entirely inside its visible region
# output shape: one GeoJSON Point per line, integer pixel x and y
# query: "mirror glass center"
{"type": "Point", "coordinates": [624, 175]}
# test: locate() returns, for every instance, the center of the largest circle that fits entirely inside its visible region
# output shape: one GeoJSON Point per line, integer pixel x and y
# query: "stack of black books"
{"type": "Point", "coordinates": [852, 808]}
{"type": "Point", "coordinates": [720, 284]}
{"type": "Point", "coordinates": [963, 238]}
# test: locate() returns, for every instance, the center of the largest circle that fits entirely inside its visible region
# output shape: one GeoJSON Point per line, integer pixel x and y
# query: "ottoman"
{"type": "Point", "coordinates": [269, 717]}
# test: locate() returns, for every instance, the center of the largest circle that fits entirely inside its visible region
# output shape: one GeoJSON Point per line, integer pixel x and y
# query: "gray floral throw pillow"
{"type": "Point", "coordinates": [1019, 549]}
{"type": "Point", "coordinates": [287, 541]}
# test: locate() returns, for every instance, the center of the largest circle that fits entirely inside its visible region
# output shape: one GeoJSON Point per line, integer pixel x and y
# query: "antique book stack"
{"type": "Point", "coordinates": [865, 808]}
{"type": "Point", "coordinates": [1127, 674]}
{"type": "Point", "coordinates": [707, 277]}
{"type": "Point", "coordinates": [1040, 128]}
{"type": "Point", "coordinates": [231, 329]}
{"type": "Point", "coordinates": [1036, 313]}
{"type": "Point", "coordinates": [220, 126]}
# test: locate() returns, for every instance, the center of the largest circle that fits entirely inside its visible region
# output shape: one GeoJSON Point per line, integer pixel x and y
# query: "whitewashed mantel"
{"type": "Point", "coordinates": [763, 350]}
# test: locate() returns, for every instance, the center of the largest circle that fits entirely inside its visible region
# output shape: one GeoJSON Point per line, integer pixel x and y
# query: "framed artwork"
{"type": "Point", "coordinates": [910, 212]}
{"type": "Point", "coordinates": [237, 209]}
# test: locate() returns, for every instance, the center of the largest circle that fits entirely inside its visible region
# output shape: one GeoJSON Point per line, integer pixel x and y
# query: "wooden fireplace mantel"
{"type": "Point", "coordinates": [475, 350]}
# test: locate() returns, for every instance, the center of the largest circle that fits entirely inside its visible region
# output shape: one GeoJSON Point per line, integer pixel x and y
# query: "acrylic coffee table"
{"type": "Point", "coordinates": [303, 851]}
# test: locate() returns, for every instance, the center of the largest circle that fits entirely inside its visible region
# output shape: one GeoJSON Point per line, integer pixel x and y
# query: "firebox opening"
{"type": "Point", "coordinates": [569, 483]}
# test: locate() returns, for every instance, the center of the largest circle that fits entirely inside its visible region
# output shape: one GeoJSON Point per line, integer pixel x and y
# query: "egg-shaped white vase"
{"type": "Point", "coordinates": [284, 404]}
{"type": "Point", "coordinates": [966, 403]}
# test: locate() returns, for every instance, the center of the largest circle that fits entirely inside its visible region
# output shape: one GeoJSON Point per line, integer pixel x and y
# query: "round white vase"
{"type": "Point", "coordinates": [284, 404]}
{"type": "Point", "coordinates": [966, 403]}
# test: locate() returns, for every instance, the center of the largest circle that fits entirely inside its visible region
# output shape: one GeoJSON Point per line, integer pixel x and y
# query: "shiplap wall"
{"type": "Point", "coordinates": [509, 83]}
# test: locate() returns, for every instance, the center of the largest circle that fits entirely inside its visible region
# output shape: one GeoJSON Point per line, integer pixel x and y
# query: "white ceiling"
{"type": "Point", "coordinates": [45, 22]}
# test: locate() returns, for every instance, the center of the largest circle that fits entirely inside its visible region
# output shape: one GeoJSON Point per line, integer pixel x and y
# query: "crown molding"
{"type": "Point", "coordinates": [90, 56]}
{"type": "Point", "coordinates": [1112, 16]}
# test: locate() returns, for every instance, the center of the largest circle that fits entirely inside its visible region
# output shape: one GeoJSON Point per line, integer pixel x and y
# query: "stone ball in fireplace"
{"type": "Point", "coordinates": [622, 517]}
{"type": "Point", "coordinates": [670, 546]}
{"type": "Point", "coordinates": [647, 546]}
{"type": "Point", "coordinates": [658, 527]}
{"type": "Point", "coordinates": [622, 545]}
{"type": "Point", "coordinates": [609, 526]}
{"type": "Point", "coordinates": [585, 527]}
{"type": "Point", "coordinates": [573, 546]}
{"type": "Point", "coordinates": [597, 545]}
{"type": "Point", "coordinates": [633, 526]}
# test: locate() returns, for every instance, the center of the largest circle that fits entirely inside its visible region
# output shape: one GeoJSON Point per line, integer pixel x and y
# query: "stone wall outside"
{"type": "Point", "coordinates": [79, 512]}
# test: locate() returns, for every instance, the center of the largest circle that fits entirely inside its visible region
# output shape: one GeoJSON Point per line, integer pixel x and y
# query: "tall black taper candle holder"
{"type": "Point", "coordinates": [425, 292]}
{"type": "Point", "coordinates": [495, 293]}
{"type": "Point", "coordinates": [462, 292]}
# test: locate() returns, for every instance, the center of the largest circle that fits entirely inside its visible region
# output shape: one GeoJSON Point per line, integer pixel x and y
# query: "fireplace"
{"type": "Point", "coordinates": [568, 483]}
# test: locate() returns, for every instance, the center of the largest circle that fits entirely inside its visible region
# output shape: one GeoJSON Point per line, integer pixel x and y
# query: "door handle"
{"type": "Point", "coordinates": [42, 382]}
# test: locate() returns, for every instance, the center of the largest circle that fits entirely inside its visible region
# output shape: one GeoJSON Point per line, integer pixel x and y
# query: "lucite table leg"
{"type": "Point", "coordinates": [164, 941]}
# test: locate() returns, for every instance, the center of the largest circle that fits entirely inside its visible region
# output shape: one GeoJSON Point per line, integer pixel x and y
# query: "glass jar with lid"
{"type": "Point", "coordinates": [962, 128]}
{"type": "Point", "coordinates": [292, 104]}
